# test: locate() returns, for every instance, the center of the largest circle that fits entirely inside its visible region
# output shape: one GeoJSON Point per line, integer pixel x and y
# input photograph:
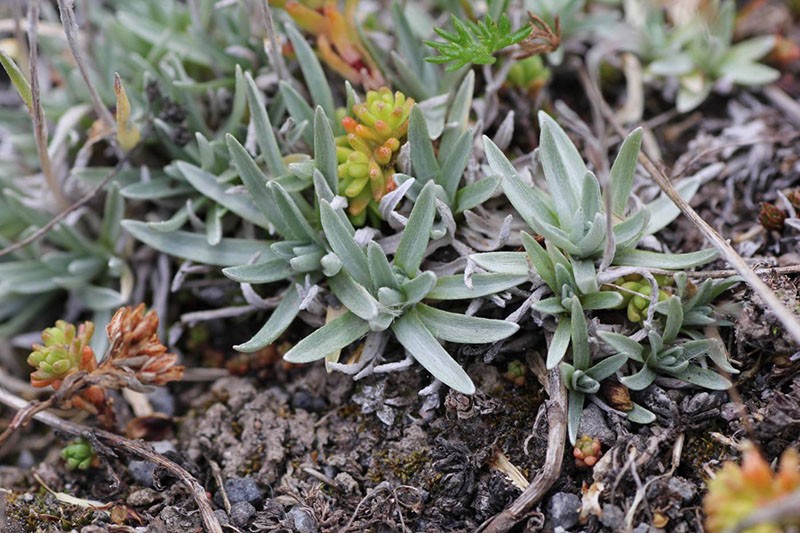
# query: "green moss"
{"type": "Point", "coordinates": [400, 467]}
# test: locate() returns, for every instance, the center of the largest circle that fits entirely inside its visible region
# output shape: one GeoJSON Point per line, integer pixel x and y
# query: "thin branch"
{"type": "Point", "coordinates": [66, 8]}
{"type": "Point", "coordinates": [139, 449]}
{"type": "Point", "coordinates": [41, 232]}
{"type": "Point", "coordinates": [787, 318]}
{"type": "Point", "coordinates": [275, 51]}
{"type": "Point", "coordinates": [37, 113]}
{"type": "Point", "coordinates": [556, 441]}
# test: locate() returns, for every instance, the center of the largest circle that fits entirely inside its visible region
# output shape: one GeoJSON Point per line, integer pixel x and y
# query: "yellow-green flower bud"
{"type": "Point", "coordinates": [79, 454]}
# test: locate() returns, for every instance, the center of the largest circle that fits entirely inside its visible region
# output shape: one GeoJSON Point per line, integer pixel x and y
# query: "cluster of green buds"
{"type": "Point", "coordinates": [587, 452]}
{"type": "Point", "coordinates": [78, 454]}
{"type": "Point", "coordinates": [366, 154]}
{"type": "Point", "coordinates": [529, 74]}
{"type": "Point", "coordinates": [516, 373]}
{"type": "Point", "coordinates": [636, 293]}
{"type": "Point", "coordinates": [65, 351]}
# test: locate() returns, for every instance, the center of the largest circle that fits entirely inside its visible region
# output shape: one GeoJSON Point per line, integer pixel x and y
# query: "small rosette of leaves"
{"type": "Point", "coordinates": [65, 351]}
{"type": "Point", "coordinates": [366, 154]}
{"type": "Point", "coordinates": [79, 454]}
{"type": "Point", "coordinates": [475, 42]}
{"type": "Point", "coordinates": [380, 295]}
{"type": "Point", "coordinates": [587, 452]}
{"type": "Point", "coordinates": [736, 491]}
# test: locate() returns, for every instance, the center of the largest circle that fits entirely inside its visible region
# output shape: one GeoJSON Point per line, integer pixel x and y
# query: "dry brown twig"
{"type": "Point", "coordinates": [542, 40]}
{"type": "Point", "coordinates": [139, 449]}
{"type": "Point", "coordinates": [37, 112]}
{"type": "Point", "coordinates": [556, 442]}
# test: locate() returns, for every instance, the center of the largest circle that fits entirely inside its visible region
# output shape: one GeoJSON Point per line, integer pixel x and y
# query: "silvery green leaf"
{"type": "Point", "coordinates": [502, 262]}
{"type": "Point", "coordinates": [331, 264]}
{"type": "Point", "coordinates": [113, 211]}
{"type": "Point", "coordinates": [325, 150]}
{"type": "Point", "coordinates": [316, 82]}
{"type": "Point", "coordinates": [564, 277]}
{"type": "Point", "coordinates": [264, 272]}
{"type": "Point", "coordinates": [607, 367]}
{"type": "Point", "coordinates": [408, 43]}
{"type": "Point", "coordinates": [407, 78]}
{"type": "Point", "coordinates": [422, 156]}
{"type": "Point", "coordinates": [540, 260]}
{"type": "Point", "coordinates": [563, 168]}
{"type": "Point", "coordinates": [339, 234]}
{"type": "Point", "coordinates": [155, 32]}
{"type": "Point", "coordinates": [716, 352]}
{"type": "Point", "coordinates": [475, 193]}
{"type": "Point", "coordinates": [601, 300]}
{"type": "Point", "coordinates": [238, 102]}
{"type": "Point", "coordinates": [574, 411]}
{"type": "Point", "coordinates": [280, 319]}
{"type": "Point", "coordinates": [458, 114]}
{"type": "Point", "coordinates": [455, 327]}
{"type": "Point", "coordinates": [673, 65]}
{"type": "Point", "coordinates": [623, 171]}
{"type": "Point", "coordinates": [299, 109]}
{"type": "Point", "coordinates": [415, 237]}
{"type": "Point", "coordinates": [308, 261]}
{"type": "Point", "coordinates": [208, 185]}
{"type": "Point", "coordinates": [640, 415]}
{"type": "Point", "coordinates": [206, 151]}
{"type": "Point", "coordinates": [531, 203]}
{"type": "Point", "coordinates": [294, 219]}
{"type": "Point", "coordinates": [687, 99]}
{"type": "Point", "coordinates": [418, 288]}
{"type": "Point", "coordinates": [631, 230]}
{"type": "Point", "coordinates": [388, 297]}
{"type": "Point", "coordinates": [640, 380]}
{"type": "Point", "coordinates": [590, 195]}
{"type": "Point", "coordinates": [674, 320]}
{"type": "Point", "coordinates": [321, 188]}
{"type": "Point", "coordinates": [749, 73]}
{"type": "Point", "coordinates": [177, 220]}
{"type": "Point", "coordinates": [623, 344]}
{"type": "Point", "coordinates": [155, 189]}
{"type": "Point", "coordinates": [100, 298]}
{"type": "Point", "coordinates": [379, 268]}
{"type": "Point", "coordinates": [593, 242]}
{"type": "Point", "coordinates": [702, 377]}
{"type": "Point", "coordinates": [424, 347]}
{"type": "Point", "coordinates": [721, 286]}
{"type": "Point", "coordinates": [698, 318]}
{"type": "Point", "coordinates": [579, 332]}
{"type": "Point", "coordinates": [560, 342]}
{"type": "Point", "coordinates": [455, 163]}
{"type": "Point", "coordinates": [663, 210]}
{"type": "Point", "coordinates": [354, 296]}
{"type": "Point", "coordinates": [214, 224]}
{"type": "Point", "coordinates": [644, 258]}
{"type": "Point", "coordinates": [751, 49]}
{"type": "Point", "coordinates": [253, 179]}
{"type": "Point", "coordinates": [585, 276]}
{"type": "Point", "coordinates": [453, 287]}
{"type": "Point", "coordinates": [549, 306]}
{"type": "Point", "coordinates": [330, 338]}
{"type": "Point", "coordinates": [293, 183]}
{"type": "Point", "coordinates": [193, 246]}
{"type": "Point", "coordinates": [265, 136]}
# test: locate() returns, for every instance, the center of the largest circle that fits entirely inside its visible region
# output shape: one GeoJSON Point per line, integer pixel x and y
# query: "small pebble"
{"type": "Point", "coordinates": [241, 513]}
{"type": "Point", "coordinates": [304, 522]}
{"type": "Point", "coordinates": [240, 489]}
{"type": "Point", "coordinates": [563, 510]}
{"type": "Point", "coordinates": [142, 472]}
{"type": "Point", "coordinates": [142, 497]}
{"type": "Point", "coordinates": [222, 517]}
